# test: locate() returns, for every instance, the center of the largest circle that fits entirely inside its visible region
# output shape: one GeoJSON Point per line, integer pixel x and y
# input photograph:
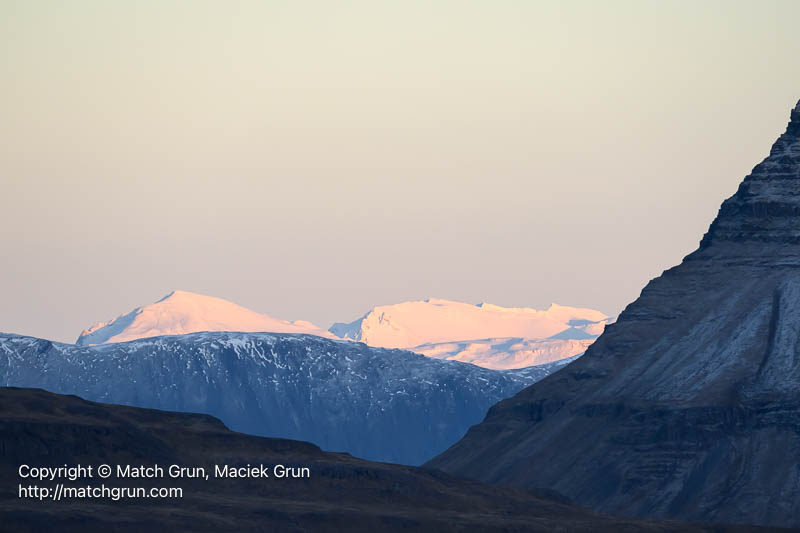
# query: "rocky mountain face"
{"type": "Point", "coordinates": [340, 494]}
{"type": "Point", "coordinates": [387, 405]}
{"type": "Point", "coordinates": [689, 405]}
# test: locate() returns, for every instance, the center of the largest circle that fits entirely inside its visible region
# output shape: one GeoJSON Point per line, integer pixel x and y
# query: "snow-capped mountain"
{"type": "Point", "coordinates": [182, 312]}
{"type": "Point", "coordinates": [486, 335]}
{"type": "Point", "coordinates": [688, 407]}
{"type": "Point", "coordinates": [505, 353]}
{"type": "Point", "coordinates": [434, 320]}
{"type": "Point", "coordinates": [386, 405]}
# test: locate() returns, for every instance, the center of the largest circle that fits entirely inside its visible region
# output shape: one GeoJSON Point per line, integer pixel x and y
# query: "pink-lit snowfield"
{"type": "Point", "coordinates": [182, 312]}
{"type": "Point", "coordinates": [485, 335]}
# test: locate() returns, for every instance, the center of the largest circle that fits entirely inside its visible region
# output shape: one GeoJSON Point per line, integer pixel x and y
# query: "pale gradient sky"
{"type": "Point", "coordinates": [311, 160]}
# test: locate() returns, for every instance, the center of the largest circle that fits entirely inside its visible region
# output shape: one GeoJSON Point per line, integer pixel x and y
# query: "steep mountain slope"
{"type": "Point", "coordinates": [182, 312]}
{"type": "Point", "coordinates": [341, 494]}
{"type": "Point", "coordinates": [386, 405]}
{"type": "Point", "coordinates": [486, 335]}
{"type": "Point", "coordinates": [688, 406]}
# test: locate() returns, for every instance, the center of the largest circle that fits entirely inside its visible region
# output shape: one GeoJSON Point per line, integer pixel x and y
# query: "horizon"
{"type": "Point", "coordinates": [311, 161]}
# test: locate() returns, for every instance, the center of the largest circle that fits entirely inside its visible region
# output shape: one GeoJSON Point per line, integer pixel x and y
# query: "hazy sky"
{"type": "Point", "coordinates": [314, 159]}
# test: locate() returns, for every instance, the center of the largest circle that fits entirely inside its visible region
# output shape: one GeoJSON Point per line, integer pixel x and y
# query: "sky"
{"type": "Point", "coordinates": [311, 160]}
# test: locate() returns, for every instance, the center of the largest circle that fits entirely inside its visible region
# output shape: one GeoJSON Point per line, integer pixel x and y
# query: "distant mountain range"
{"type": "Point", "coordinates": [278, 378]}
{"type": "Point", "coordinates": [431, 321]}
{"type": "Point", "coordinates": [485, 335]}
{"type": "Point", "coordinates": [386, 405]}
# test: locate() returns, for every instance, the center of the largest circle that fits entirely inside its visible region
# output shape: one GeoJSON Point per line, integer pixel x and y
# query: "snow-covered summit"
{"type": "Point", "coordinates": [433, 321]}
{"type": "Point", "coordinates": [182, 312]}
{"type": "Point", "coordinates": [484, 334]}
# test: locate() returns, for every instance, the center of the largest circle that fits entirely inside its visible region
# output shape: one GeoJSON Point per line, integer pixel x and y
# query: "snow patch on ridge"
{"type": "Point", "coordinates": [485, 334]}
{"type": "Point", "coordinates": [508, 353]}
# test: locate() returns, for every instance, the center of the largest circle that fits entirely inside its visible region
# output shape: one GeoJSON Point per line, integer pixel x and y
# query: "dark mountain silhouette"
{"type": "Point", "coordinates": [689, 406]}
{"type": "Point", "coordinates": [41, 429]}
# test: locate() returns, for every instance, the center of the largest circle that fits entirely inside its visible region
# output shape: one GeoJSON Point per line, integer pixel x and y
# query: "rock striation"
{"type": "Point", "coordinates": [688, 406]}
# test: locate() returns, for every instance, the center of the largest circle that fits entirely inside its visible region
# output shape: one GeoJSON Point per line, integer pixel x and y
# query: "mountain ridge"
{"type": "Point", "coordinates": [388, 405]}
{"type": "Point", "coordinates": [475, 334]}
{"type": "Point", "coordinates": [686, 407]}
{"type": "Point", "coordinates": [413, 323]}
{"type": "Point", "coordinates": [478, 331]}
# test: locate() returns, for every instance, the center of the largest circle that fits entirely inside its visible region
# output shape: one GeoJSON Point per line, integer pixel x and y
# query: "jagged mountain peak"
{"type": "Point", "coordinates": [766, 205]}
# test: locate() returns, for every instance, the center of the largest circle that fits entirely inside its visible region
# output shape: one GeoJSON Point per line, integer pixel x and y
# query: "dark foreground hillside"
{"type": "Point", "coordinates": [38, 428]}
